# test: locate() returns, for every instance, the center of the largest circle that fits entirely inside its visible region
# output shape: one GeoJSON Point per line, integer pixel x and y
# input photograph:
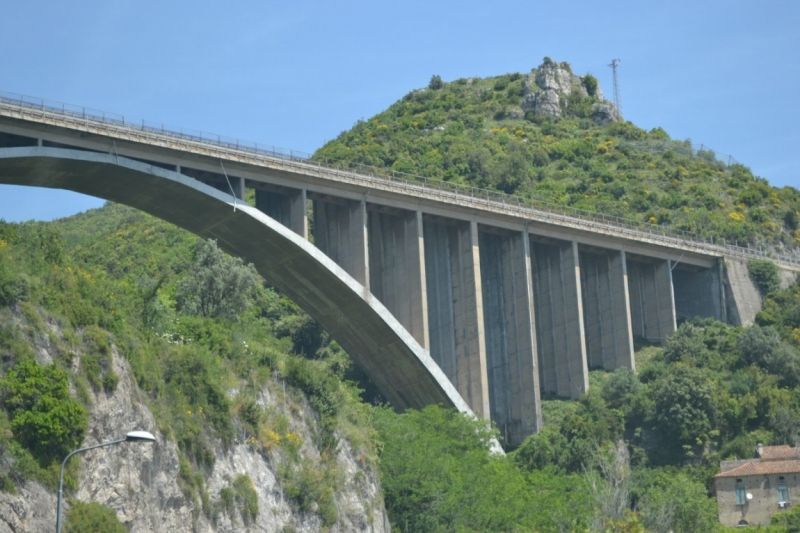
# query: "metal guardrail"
{"type": "Point", "coordinates": [80, 116]}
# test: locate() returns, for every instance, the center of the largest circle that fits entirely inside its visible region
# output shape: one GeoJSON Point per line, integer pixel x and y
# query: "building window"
{"type": "Point", "coordinates": [783, 494]}
{"type": "Point", "coordinates": [740, 496]}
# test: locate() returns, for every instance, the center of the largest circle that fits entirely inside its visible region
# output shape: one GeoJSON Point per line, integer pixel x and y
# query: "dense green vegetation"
{"type": "Point", "coordinates": [473, 132]}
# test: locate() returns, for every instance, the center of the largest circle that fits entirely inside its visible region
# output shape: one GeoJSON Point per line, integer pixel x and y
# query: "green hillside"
{"type": "Point", "coordinates": [481, 132]}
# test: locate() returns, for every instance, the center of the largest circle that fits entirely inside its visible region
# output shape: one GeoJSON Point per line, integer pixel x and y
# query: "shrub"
{"type": "Point", "coordinates": [765, 275]}
{"type": "Point", "coordinates": [590, 83]}
{"type": "Point", "coordinates": [92, 517]}
{"type": "Point", "coordinates": [45, 419]}
{"type": "Point", "coordinates": [247, 498]}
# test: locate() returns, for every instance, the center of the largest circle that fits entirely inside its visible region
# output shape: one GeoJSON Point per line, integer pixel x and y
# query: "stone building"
{"type": "Point", "coordinates": [750, 491]}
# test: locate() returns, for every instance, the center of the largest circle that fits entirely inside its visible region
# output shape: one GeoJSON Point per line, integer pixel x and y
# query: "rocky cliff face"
{"type": "Point", "coordinates": [141, 481]}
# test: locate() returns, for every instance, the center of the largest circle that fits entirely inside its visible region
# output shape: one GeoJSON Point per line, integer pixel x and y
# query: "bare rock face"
{"type": "Point", "coordinates": [605, 113]}
{"type": "Point", "coordinates": [545, 103]}
{"type": "Point", "coordinates": [546, 89]}
{"type": "Point", "coordinates": [551, 77]}
{"type": "Point", "coordinates": [140, 481]}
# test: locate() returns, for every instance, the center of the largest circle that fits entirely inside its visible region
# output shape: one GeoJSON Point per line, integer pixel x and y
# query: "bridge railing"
{"type": "Point", "coordinates": [560, 214]}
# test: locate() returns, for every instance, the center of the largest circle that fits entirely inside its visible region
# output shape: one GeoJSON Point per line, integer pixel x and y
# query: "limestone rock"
{"type": "Point", "coordinates": [605, 113]}
{"type": "Point", "coordinates": [553, 78]}
{"type": "Point", "coordinates": [544, 103]}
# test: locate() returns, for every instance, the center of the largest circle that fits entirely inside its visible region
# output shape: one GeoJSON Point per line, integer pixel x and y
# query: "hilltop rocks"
{"type": "Point", "coordinates": [549, 85]}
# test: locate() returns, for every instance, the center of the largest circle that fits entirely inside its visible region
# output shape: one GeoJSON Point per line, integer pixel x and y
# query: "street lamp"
{"type": "Point", "coordinates": [133, 436]}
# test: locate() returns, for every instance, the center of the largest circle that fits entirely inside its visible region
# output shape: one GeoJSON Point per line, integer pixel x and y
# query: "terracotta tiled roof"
{"type": "Point", "coordinates": [779, 453]}
{"type": "Point", "coordinates": [758, 468]}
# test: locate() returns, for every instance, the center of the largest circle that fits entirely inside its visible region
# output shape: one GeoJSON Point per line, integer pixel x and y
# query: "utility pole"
{"type": "Point", "coordinates": [617, 101]}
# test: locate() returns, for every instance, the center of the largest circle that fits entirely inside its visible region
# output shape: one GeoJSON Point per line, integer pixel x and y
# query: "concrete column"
{"type": "Point", "coordinates": [288, 209]}
{"type": "Point", "coordinates": [439, 281]}
{"type": "Point", "coordinates": [237, 184]}
{"type": "Point", "coordinates": [699, 292]}
{"type": "Point", "coordinates": [606, 311]}
{"type": "Point", "coordinates": [455, 310]}
{"type": "Point", "coordinates": [341, 233]}
{"type": "Point", "coordinates": [298, 212]}
{"type": "Point", "coordinates": [652, 300]}
{"type": "Point", "coordinates": [397, 269]}
{"type": "Point", "coordinates": [560, 335]}
{"type": "Point", "coordinates": [509, 330]}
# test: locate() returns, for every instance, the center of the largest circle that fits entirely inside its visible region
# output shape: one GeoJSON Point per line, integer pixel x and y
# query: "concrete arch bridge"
{"type": "Point", "coordinates": [463, 298]}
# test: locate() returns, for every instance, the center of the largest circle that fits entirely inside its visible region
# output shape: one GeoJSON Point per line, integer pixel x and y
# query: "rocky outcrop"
{"type": "Point", "coordinates": [141, 481]}
{"type": "Point", "coordinates": [547, 87]}
{"type": "Point", "coordinates": [605, 113]}
{"type": "Point", "coordinates": [543, 103]}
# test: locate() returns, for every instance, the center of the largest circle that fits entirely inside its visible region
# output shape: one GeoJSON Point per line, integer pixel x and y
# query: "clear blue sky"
{"type": "Point", "coordinates": [295, 74]}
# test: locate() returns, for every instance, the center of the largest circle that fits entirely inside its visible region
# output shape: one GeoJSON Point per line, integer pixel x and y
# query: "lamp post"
{"type": "Point", "coordinates": [133, 436]}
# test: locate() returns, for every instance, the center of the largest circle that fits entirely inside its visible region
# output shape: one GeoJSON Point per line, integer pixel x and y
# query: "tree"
{"type": "Point", "coordinates": [684, 407]}
{"type": "Point", "coordinates": [436, 82]}
{"type": "Point", "coordinates": [676, 504]}
{"type": "Point", "coordinates": [590, 83]}
{"type": "Point", "coordinates": [218, 285]}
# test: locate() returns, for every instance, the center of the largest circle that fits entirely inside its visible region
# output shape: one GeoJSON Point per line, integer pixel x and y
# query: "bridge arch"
{"type": "Point", "coordinates": [402, 370]}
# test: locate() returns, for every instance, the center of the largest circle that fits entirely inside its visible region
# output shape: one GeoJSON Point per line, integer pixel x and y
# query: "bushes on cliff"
{"type": "Point", "coordinates": [44, 417]}
{"type": "Point", "coordinates": [91, 517]}
{"type": "Point", "coordinates": [765, 275]}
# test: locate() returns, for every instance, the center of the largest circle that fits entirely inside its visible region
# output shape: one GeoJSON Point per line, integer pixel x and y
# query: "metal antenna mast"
{"type": "Point", "coordinates": [617, 100]}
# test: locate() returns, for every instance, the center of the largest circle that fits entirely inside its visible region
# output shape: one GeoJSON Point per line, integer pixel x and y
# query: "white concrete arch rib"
{"type": "Point", "coordinates": [401, 369]}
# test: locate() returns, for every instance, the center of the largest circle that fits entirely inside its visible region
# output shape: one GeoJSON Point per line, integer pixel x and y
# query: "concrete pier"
{"type": "Point", "coordinates": [509, 329]}
{"type": "Point", "coordinates": [606, 310]}
{"type": "Point", "coordinates": [289, 207]}
{"type": "Point", "coordinates": [560, 339]}
{"type": "Point", "coordinates": [397, 268]}
{"type": "Point", "coordinates": [340, 231]}
{"type": "Point", "coordinates": [652, 299]}
{"type": "Point", "coordinates": [699, 293]}
{"type": "Point", "coordinates": [455, 309]}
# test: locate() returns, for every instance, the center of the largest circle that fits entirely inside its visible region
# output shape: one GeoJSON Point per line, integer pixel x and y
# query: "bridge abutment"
{"type": "Point", "coordinates": [560, 339]}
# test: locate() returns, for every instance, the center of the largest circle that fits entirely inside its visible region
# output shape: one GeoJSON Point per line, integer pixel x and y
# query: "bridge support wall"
{"type": "Point", "coordinates": [509, 328]}
{"type": "Point", "coordinates": [340, 231]}
{"type": "Point", "coordinates": [606, 310]}
{"type": "Point", "coordinates": [455, 310]}
{"type": "Point", "coordinates": [560, 339]}
{"type": "Point", "coordinates": [288, 209]}
{"type": "Point", "coordinates": [397, 269]}
{"type": "Point", "coordinates": [699, 293]}
{"type": "Point", "coordinates": [652, 300]}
